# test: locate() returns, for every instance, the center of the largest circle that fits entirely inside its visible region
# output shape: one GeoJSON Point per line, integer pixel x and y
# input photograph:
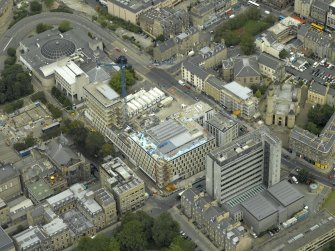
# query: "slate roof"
{"type": "Point", "coordinates": [269, 61]}
{"type": "Point", "coordinates": [246, 67]}
{"type": "Point", "coordinates": [318, 88]}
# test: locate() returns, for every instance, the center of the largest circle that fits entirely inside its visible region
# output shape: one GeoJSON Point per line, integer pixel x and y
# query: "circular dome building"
{"type": "Point", "coordinates": [58, 48]}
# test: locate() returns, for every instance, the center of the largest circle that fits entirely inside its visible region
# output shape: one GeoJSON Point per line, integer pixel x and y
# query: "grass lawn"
{"type": "Point", "coordinates": [329, 203]}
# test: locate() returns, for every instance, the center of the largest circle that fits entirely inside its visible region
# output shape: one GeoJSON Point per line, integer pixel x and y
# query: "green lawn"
{"type": "Point", "coordinates": [329, 203]}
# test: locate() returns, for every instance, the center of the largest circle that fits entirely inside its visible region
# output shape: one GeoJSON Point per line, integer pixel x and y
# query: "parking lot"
{"type": "Point", "coordinates": [319, 73]}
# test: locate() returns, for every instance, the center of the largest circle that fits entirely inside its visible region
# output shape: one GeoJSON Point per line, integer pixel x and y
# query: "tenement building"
{"type": "Point", "coordinates": [247, 162]}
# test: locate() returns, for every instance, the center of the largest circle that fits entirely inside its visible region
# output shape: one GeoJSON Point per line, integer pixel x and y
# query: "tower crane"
{"type": "Point", "coordinates": [121, 62]}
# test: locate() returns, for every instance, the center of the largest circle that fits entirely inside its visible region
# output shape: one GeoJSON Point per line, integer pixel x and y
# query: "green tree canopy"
{"type": "Point", "coordinates": [100, 243]}
{"type": "Point", "coordinates": [131, 237]}
{"type": "Point", "coordinates": [258, 94]}
{"type": "Point", "coordinates": [283, 54]}
{"type": "Point", "coordinates": [35, 7]}
{"type": "Point", "coordinates": [146, 221]}
{"type": "Point", "coordinates": [41, 27]}
{"type": "Point", "coordinates": [115, 81]}
{"type": "Point", "coordinates": [179, 244]}
{"type": "Point", "coordinates": [106, 149]}
{"type": "Point", "coordinates": [165, 229]}
{"type": "Point", "coordinates": [93, 143]}
{"type": "Point", "coordinates": [247, 45]}
{"type": "Point", "coordinates": [64, 26]}
{"type": "Point", "coordinates": [11, 52]}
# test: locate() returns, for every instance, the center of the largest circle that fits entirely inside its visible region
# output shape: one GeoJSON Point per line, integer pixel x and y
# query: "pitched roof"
{"type": "Point", "coordinates": [269, 61]}
{"type": "Point", "coordinates": [318, 88]}
{"type": "Point", "coordinates": [196, 70]}
{"type": "Point", "coordinates": [246, 67]}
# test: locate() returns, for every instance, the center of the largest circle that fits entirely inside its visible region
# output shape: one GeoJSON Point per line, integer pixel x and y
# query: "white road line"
{"type": "Point", "coordinates": [7, 44]}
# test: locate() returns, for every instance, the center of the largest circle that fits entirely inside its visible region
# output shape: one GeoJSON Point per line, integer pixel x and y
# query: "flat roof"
{"type": "Point", "coordinates": [60, 198]}
{"type": "Point", "coordinates": [69, 72]}
{"type": "Point", "coordinates": [7, 172]}
{"type": "Point", "coordinates": [239, 90]}
{"type": "Point", "coordinates": [259, 207]}
{"type": "Point", "coordinates": [40, 190]}
{"type": "Point", "coordinates": [285, 193]}
{"type": "Point", "coordinates": [30, 238]}
{"type": "Point", "coordinates": [54, 227]}
{"type": "Point", "coordinates": [103, 93]}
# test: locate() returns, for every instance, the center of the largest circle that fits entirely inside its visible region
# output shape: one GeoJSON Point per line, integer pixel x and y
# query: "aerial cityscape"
{"type": "Point", "coordinates": [173, 125]}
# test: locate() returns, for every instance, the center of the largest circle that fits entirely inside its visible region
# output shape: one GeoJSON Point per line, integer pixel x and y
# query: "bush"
{"type": "Point", "coordinates": [35, 7]}
{"type": "Point", "coordinates": [49, 3]}
{"type": "Point", "coordinates": [39, 96]}
{"type": "Point", "coordinates": [41, 27]}
{"type": "Point", "coordinates": [64, 26]}
{"type": "Point", "coordinates": [11, 107]}
{"type": "Point", "coordinates": [11, 52]}
{"type": "Point", "coordinates": [10, 60]}
{"type": "Point", "coordinates": [61, 97]}
{"type": "Point", "coordinates": [29, 141]}
{"type": "Point", "coordinates": [62, 8]}
{"type": "Point", "coordinates": [56, 112]}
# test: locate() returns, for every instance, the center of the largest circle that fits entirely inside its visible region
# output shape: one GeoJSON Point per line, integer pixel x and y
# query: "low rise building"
{"type": "Point", "coordinates": [70, 79]}
{"type": "Point", "coordinates": [194, 75]}
{"type": "Point", "coordinates": [59, 234]}
{"type": "Point", "coordinates": [213, 87]}
{"type": "Point", "coordinates": [10, 183]}
{"type": "Point", "coordinates": [4, 213]}
{"type": "Point", "coordinates": [239, 99]}
{"type": "Point", "coordinates": [131, 10]}
{"type": "Point", "coordinates": [39, 191]}
{"type": "Point", "coordinates": [319, 9]}
{"type": "Point", "coordinates": [108, 204]}
{"type": "Point", "coordinates": [303, 8]}
{"type": "Point", "coordinates": [317, 93]}
{"type": "Point", "coordinates": [164, 22]}
{"type": "Point", "coordinates": [127, 188]}
{"type": "Point", "coordinates": [224, 129]}
{"type": "Point", "coordinates": [318, 150]}
{"type": "Point", "coordinates": [266, 43]}
{"type": "Point", "coordinates": [272, 207]}
{"type": "Point", "coordinates": [285, 30]}
{"type": "Point", "coordinates": [331, 16]}
{"type": "Point", "coordinates": [280, 4]}
{"type": "Point", "coordinates": [282, 105]}
{"type": "Point", "coordinates": [72, 165]}
{"type": "Point", "coordinates": [209, 57]}
{"type": "Point", "coordinates": [271, 67]}
{"type": "Point", "coordinates": [33, 238]}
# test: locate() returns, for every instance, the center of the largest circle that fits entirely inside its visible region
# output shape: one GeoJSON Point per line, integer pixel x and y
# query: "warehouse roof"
{"type": "Point", "coordinates": [259, 207]}
{"type": "Point", "coordinates": [285, 193]}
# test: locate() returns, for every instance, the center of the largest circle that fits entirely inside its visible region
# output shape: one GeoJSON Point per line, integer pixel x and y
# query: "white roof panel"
{"type": "Point", "coordinates": [239, 90]}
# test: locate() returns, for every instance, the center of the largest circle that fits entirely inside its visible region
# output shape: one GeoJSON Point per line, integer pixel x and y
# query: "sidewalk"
{"type": "Point", "coordinates": [195, 234]}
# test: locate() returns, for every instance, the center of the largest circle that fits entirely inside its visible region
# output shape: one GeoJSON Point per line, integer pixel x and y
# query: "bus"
{"type": "Point", "coordinates": [253, 3]}
{"type": "Point", "coordinates": [316, 26]}
{"type": "Point", "coordinates": [48, 128]}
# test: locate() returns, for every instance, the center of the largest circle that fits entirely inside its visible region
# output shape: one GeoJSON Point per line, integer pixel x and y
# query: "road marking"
{"type": "Point", "coordinates": [7, 43]}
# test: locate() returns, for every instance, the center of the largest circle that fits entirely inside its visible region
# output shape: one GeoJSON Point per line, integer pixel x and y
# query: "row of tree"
{"type": "Point", "coordinates": [138, 231]}
{"type": "Point", "coordinates": [90, 142]}
{"type": "Point", "coordinates": [61, 97]}
{"type": "Point", "coordinates": [15, 82]}
{"type": "Point", "coordinates": [40, 96]}
{"type": "Point", "coordinates": [35, 7]}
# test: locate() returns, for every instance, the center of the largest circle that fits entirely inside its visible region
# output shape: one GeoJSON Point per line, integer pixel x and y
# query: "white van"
{"type": "Point", "coordinates": [294, 179]}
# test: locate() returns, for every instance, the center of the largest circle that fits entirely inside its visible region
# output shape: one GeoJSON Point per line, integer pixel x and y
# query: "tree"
{"type": "Point", "coordinates": [41, 27]}
{"type": "Point", "coordinates": [146, 221]}
{"type": "Point", "coordinates": [258, 93]}
{"type": "Point", "coordinates": [64, 26]}
{"type": "Point", "coordinates": [106, 149]}
{"type": "Point", "coordinates": [179, 244]}
{"type": "Point", "coordinates": [100, 242]}
{"type": "Point", "coordinates": [247, 45]}
{"type": "Point", "coordinates": [11, 52]}
{"type": "Point", "coordinates": [131, 237]}
{"type": "Point", "coordinates": [160, 38]}
{"type": "Point", "coordinates": [115, 81]}
{"type": "Point", "coordinates": [35, 7]}
{"type": "Point", "coordinates": [164, 230]}
{"type": "Point", "coordinates": [93, 143]}
{"type": "Point", "coordinates": [283, 54]}
{"type": "Point", "coordinates": [114, 245]}
{"type": "Point", "coordinates": [49, 3]}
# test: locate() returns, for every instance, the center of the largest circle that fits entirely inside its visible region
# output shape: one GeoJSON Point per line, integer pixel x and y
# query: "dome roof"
{"type": "Point", "coordinates": [57, 48]}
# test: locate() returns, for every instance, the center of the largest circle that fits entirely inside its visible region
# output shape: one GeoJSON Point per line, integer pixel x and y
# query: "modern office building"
{"type": "Point", "coordinates": [247, 162]}
{"type": "Point", "coordinates": [239, 99]}
{"type": "Point", "coordinates": [127, 188]}
{"type": "Point", "coordinates": [176, 148]}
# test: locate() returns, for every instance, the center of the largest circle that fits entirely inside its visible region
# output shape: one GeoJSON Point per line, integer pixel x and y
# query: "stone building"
{"type": "Point", "coordinates": [282, 105]}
